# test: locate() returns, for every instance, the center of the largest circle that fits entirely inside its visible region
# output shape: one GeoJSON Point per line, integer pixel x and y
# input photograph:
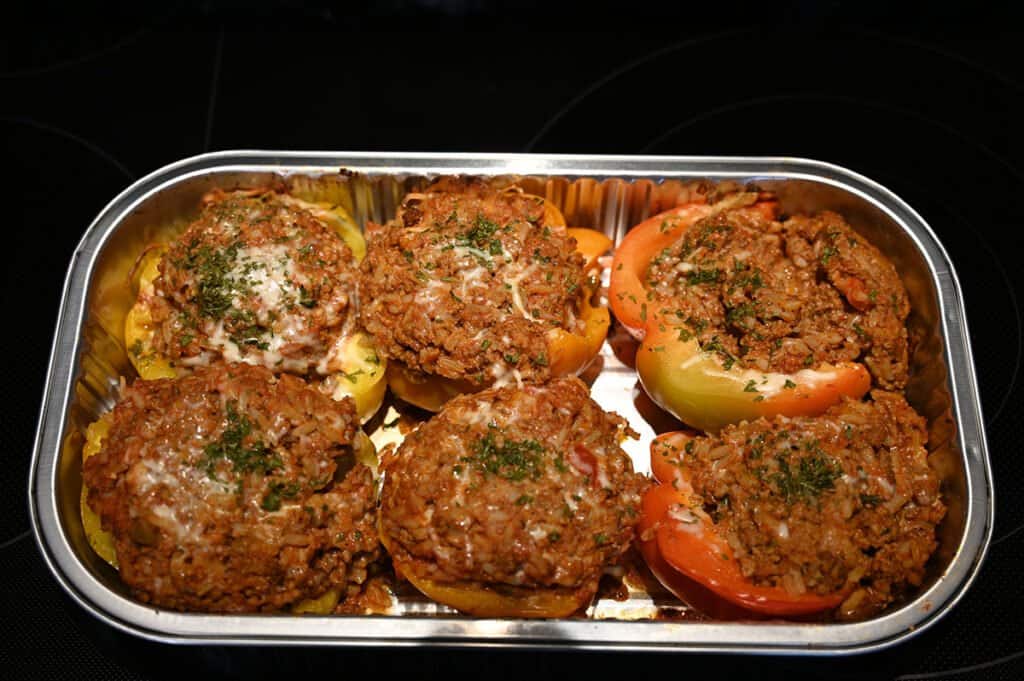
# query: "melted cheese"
{"type": "Point", "coordinates": [433, 293]}
{"type": "Point", "coordinates": [517, 298]}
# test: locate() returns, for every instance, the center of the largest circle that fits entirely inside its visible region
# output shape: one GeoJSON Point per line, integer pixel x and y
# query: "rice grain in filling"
{"type": "Point", "coordinates": [525, 487]}
{"type": "Point", "coordinates": [785, 296]}
{"type": "Point", "coordinates": [846, 500]}
{"type": "Point", "coordinates": [258, 278]}
{"type": "Point", "coordinates": [467, 281]}
{"type": "Point", "coordinates": [230, 490]}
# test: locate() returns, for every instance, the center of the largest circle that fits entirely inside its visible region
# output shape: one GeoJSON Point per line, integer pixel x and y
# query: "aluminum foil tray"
{"type": "Point", "coordinates": [610, 193]}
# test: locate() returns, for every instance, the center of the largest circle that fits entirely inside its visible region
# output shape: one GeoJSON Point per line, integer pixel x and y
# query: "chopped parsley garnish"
{"type": "Point", "coordinates": [277, 491]}
{"type": "Point", "coordinates": [704, 240]}
{"type": "Point", "coordinates": [816, 473]}
{"type": "Point", "coordinates": [244, 330]}
{"type": "Point", "coordinates": [746, 278]}
{"type": "Point", "coordinates": [870, 500]}
{"type": "Point", "coordinates": [715, 345]}
{"type": "Point", "coordinates": [306, 299]}
{"type": "Point", "coordinates": [216, 287]}
{"type": "Point", "coordinates": [789, 385]}
{"type": "Point", "coordinates": [481, 236]}
{"type": "Point", "coordinates": [255, 457]}
{"type": "Point", "coordinates": [738, 315]}
{"type": "Point", "coordinates": [702, 276]}
{"type": "Point", "coordinates": [352, 376]}
{"type": "Point", "coordinates": [515, 460]}
{"type": "Point", "coordinates": [828, 253]}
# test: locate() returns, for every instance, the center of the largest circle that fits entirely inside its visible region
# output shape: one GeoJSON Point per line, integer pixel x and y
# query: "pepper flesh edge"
{"type": "Point", "coordinates": [694, 386]}
{"type": "Point", "coordinates": [627, 294]}
{"type": "Point", "coordinates": [486, 601]}
{"type": "Point", "coordinates": [699, 553]}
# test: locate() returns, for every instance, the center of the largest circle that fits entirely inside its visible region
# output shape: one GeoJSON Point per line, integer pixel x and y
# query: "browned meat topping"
{"type": "Point", "coordinates": [844, 500]}
{"type": "Point", "coordinates": [467, 281]}
{"type": "Point", "coordinates": [783, 296]}
{"type": "Point", "coordinates": [257, 278]}
{"type": "Point", "coordinates": [230, 490]}
{"type": "Point", "coordinates": [525, 487]}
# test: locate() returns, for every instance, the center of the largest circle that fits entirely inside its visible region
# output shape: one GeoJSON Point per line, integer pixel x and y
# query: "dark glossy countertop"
{"type": "Point", "coordinates": [933, 108]}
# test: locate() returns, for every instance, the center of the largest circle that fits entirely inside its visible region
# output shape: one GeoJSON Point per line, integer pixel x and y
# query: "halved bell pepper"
{"type": "Point", "coordinates": [497, 600]}
{"type": "Point", "coordinates": [426, 391]}
{"type": "Point", "coordinates": [676, 535]}
{"type": "Point", "coordinates": [102, 542]}
{"type": "Point", "coordinates": [567, 353]}
{"type": "Point", "coordinates": [362, 371]}
{"type": "Point", "coordinates": [695, 385]}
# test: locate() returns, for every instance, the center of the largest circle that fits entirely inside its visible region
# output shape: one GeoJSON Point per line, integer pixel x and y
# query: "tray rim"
{"type": "Point", "coordinates": [458, 631]}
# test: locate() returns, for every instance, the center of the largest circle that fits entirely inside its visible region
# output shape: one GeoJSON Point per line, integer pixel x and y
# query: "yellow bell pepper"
{"type": "Point", "coordinates": [497, 600]}
{"type": "Point", "coordinates": [102, 542]}
{"type": "Point", "coordinates": [362, 371]}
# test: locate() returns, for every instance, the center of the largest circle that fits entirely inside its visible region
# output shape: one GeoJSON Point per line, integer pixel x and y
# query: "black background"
{"type": "Point", "coordinates": [926, 99]}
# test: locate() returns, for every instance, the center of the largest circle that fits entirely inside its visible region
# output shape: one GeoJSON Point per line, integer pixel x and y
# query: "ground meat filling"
{"type": "Point", "coordinates": [230, 490]}
{"type": "Point", "coordinates": [518, 486]}
{"type": "Point", "coordinates": [257, 278]}
{"type": "Point", "coordinates": [844, 500]}
{"type": "Point", "coordinates": [467, 281]}
{"type": "Point", "coordinates": [785, 296]}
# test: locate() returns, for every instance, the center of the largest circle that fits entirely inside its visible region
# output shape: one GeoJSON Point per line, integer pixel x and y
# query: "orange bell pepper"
{"type": "Point", "coordinates": [695, 385]}
{"type": "Point", "coordinates": [498, 600]}
{"type": "Point", "coordinates": [677, 536]}
{"type": "Point", "coordinates": [567, 353]}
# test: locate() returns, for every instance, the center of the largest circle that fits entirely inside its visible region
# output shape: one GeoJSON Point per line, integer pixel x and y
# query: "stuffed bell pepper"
{"type": "Point", "coordinates": [742, 312]}
{"type": "Point", "coordinates": [474, 285]}
{"type": "Point", "coordinates": [262, 278]}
